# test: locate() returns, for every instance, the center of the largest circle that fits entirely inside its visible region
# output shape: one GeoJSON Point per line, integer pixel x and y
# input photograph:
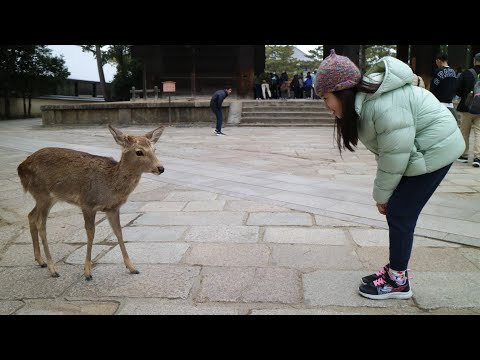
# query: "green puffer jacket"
{"type": "Point", "coordinates": [405, 126]}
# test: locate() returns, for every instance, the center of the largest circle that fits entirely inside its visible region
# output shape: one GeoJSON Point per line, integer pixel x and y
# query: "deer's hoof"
{"type": "Point", "coordinates": [55, 274]}
{"type": "Point", "coordinates": [43, 265]}
{"type": "Point", "coordinates": [135, 272]}
{"type": "Point", "coordinates": [88, 278]}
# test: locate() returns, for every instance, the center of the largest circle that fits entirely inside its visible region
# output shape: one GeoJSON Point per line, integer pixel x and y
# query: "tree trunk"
{"type": "Point", "coordinates": [7, 102]}
{"type": "Point", "coordinates": [106, 92]}
{"type": "Point", "coordinates": [24, 96]}
{"type": "Point", "coordinates": [30, 105]}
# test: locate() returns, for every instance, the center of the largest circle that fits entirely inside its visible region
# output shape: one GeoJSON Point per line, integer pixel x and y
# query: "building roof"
{"type": "Point", "coordinates": [300, 55]}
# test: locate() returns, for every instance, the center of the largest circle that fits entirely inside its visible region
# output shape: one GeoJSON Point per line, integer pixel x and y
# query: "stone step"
{"type": "Point", "coordinates": [296, 115]}
{"type": "Point", "coordinates": [299, 124]}
{"type": "Point", "coordinates": [287, 120]}
{"type": "Point", "coordinates": [289, 109]}
{"type": "Point", "coordinates": [283, 104]}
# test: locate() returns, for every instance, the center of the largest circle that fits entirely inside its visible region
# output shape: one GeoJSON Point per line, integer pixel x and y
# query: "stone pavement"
{"type": "Point", "coordinates": [262, 221]}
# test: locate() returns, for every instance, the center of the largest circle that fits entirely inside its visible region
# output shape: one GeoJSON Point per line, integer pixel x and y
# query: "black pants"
{"type": "Point", "coordinates": [219, 116]}
{"type": "Point", "coordinates": [403, 209]}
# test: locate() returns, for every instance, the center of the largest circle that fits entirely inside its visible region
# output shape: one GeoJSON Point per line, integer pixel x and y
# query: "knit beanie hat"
{"type": "Point", "coordinates": [335, 73]}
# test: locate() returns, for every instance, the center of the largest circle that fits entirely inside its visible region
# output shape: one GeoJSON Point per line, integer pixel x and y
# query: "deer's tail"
{"type": "Point", "coordinates": [25, 175]}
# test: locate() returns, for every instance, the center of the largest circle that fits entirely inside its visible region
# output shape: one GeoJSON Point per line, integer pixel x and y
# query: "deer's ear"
{"type": "Point", "coordinates": [154, 135]}
{"type": "Point", "coordinates": [118, 135]}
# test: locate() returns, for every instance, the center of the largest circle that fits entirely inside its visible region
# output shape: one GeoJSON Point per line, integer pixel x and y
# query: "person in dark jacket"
{"type": "Point", "coordinates": [465, 83]}
{"type": "Point", "coordinates": [444, 82]}
{"type": "Point", "coordinates": [216, 107]}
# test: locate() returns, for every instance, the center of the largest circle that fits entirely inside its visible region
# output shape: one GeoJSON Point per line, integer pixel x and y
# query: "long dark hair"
{"type": "Point", "coordinates": [347, 127]}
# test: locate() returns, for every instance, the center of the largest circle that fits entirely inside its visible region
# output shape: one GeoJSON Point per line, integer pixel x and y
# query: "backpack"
{"type": "Point", "coordinates": [472, 102]}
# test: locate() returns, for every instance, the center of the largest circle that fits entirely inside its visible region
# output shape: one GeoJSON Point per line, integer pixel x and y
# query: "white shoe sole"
{"type": "Point", "coordinates": [394, 295]}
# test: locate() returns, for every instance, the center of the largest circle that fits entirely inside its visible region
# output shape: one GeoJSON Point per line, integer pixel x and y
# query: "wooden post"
{"type": "Point", "coordinates": [133, 93]}
{"type": "Point", "coordinates": [144, 81]}
{"type": "Point", "coordinates": [169, 111]}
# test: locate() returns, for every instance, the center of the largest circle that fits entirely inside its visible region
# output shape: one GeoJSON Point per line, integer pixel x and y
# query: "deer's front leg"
{"type": "Point", "coordinates": [113, 217]}
{"type": "Point", "coordinates": [89, 217]}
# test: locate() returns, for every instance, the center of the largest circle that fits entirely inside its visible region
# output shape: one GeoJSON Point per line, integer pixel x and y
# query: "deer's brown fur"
{"type": "Point", "coordinates": [93, 183]}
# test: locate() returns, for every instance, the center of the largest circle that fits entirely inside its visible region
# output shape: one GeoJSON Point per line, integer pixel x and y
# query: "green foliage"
{"type": "Point", "coordinates": [128, 74]}
{"type": "Point", "coordinates": [373, 53]}
{"type": "Point", "coordinates": [29, 70]}
{"type": "Point", "coordinates": [280, 58]}
{"type": "Point", "coordinates": [316, 54]}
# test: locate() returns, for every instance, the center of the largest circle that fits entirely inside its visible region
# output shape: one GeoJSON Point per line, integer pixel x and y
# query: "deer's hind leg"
{"type": "Point", "coordinates": [89, 217]}
{"type": "Point", "coordinates": [113, 217]}
{"type": "Point", "coordinates": [32, 216]}
{"type": "Point", "coordinates": [44, 204]}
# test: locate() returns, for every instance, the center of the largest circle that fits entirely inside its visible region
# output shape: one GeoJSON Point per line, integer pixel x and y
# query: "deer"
{"type": "Point", "coordinates": [93, 183]}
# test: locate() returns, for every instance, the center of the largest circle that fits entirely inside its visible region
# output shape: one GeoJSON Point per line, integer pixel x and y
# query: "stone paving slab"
{"type": "Point", "coordinates": [301, 235]}
{"type": "Point", "coordinates": [313, 257]}
{"type": "Point", "coordinates": [207, 205]}
{"type": "Point", "coordinates": [228, 255]}
{"type": "Point", "coordinates": [272, 285]}
{"type": "Point", "coordinates": [156, 281]}
{"type": "Point", "coordinates": [190, 196]}
{"type": "Point", "coordinates": [22, 255]}
{"type": "Point", "coordinates": [379, 237]}
{"type": "Point", "coordinates": [446, 289]}
{"type": "Point", "coordinates": [150, 234]}
{"type": "Point", "coordinates": [8, 233]}
{"type": "Point", "coordinates": [223, 234]}
{"type": "Point", "coordinates": [422, 259]}
{"type": "Point", "coordinates": [78, 256]}
{"type": "Point", "coordinates": [200, 218]}
{"type": "Point", "coordinates": [102, 230]}
{"type": "Point", "coordinates": [55, 307]}
{"type": "Point", "coordinates": [147, 253]}
{"type": "Point", "coordinates": [340, 288]}
{"type": "Point", "coordinates": [159, 307]}
{"type": "Point", "coordinates": [155, 206]}
{"type": "Point", "coordinates": [455, 226]}
{"type": "Point", "coordinates": [289, 218]}
{"type": "Point", "coordinates": [301, 199]}
{"type": "Point", "coordinates": [252, 206]}
{"type": "Point", "coordinates": [36, 282]}
{"type": "Point", "coordinates": [325, 221]}
{"type": "Point", "coordinates": [472, 254]}
{"type": "Point", "coordinates": [9, 307]}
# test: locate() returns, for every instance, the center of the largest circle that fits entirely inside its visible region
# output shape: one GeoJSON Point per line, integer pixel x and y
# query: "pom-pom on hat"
{"type": "Point", "coordinates": [336, 73]}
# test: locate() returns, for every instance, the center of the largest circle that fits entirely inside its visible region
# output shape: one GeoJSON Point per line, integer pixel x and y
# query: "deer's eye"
{"type": "Point", "coordinates": [139, 153]}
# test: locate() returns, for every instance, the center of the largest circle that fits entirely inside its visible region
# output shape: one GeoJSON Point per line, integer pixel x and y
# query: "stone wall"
{"type": "Point", "coordinates": [133, 113]}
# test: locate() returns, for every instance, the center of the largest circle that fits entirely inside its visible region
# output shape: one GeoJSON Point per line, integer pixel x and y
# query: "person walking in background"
{"type": "Point", "coordinates": [468, 121]}
{"type": "Point", "coordinates": [216, 107]}
{"type": "Point", "coordinates": [258, 87]}
{"type": "Point", "coordinates": [284, 88]}
{"type": "Point", "coordinates": [265, 78]}
{"type": "Point", "coordinates": [313, 74]}
{"type": "Point", "coordinates": [444, 83]}
{"type": "Point", "coordinates": [275, 82]}
{"type": "Point", "coordinates": [308, 86]}
{"type": "Point", "coordinates": [415, 141]}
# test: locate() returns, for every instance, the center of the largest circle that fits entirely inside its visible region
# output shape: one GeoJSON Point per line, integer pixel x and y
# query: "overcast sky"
{"type": "Point", "coordinates": [82, 66]}
{"type": "Point", "coordinates": [305, 48]}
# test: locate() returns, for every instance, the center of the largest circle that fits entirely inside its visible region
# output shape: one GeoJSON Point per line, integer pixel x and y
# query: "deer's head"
{"type": "Point", "coordinates": [139, 151]}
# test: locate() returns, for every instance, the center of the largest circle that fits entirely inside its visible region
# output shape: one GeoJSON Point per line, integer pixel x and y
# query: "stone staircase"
{"type": "Point", "coordinates": [293, 112]}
